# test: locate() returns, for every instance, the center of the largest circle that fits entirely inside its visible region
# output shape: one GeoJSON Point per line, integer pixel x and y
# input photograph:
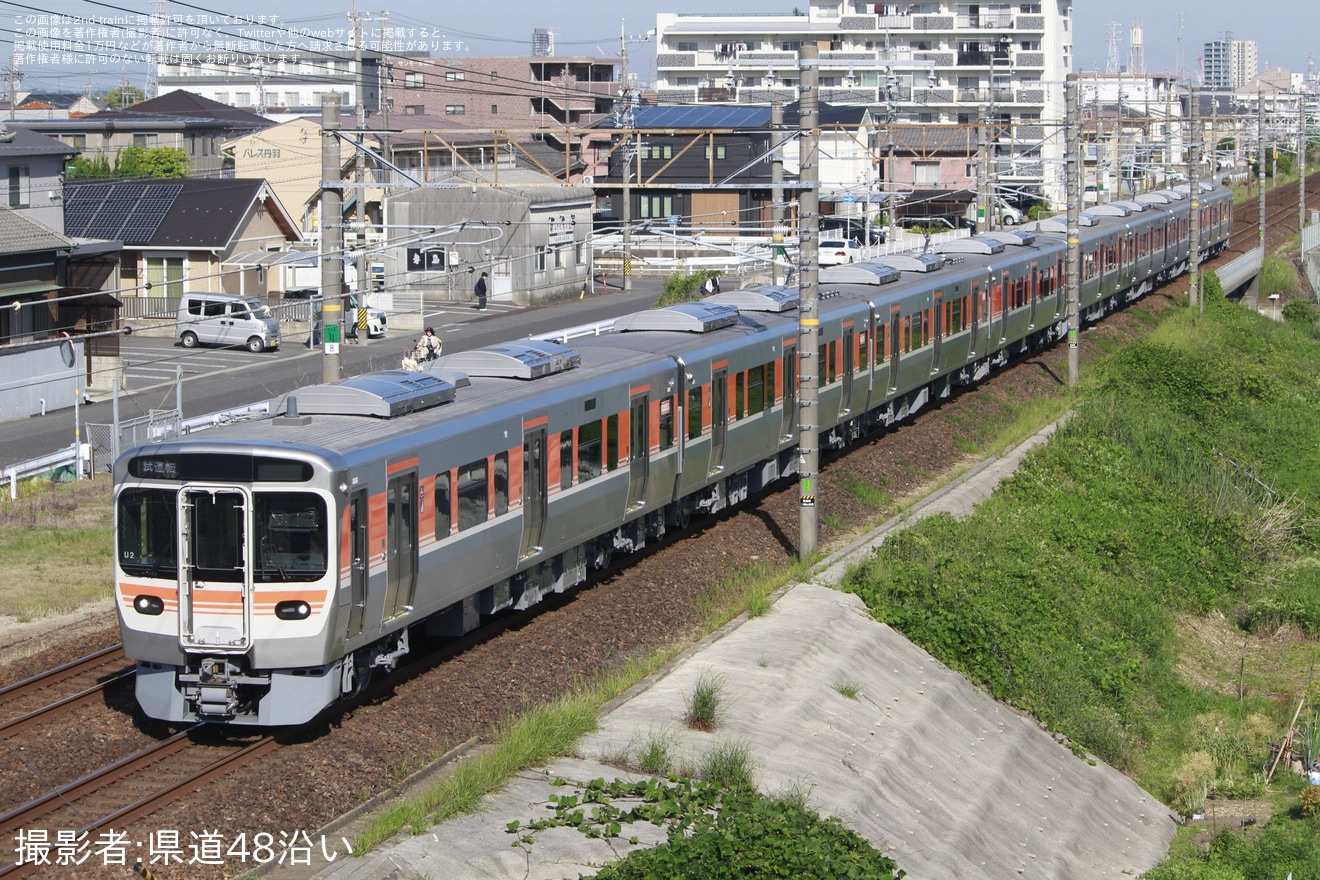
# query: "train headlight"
{"type": "Point", "coordinates": [295, 609]}
{"type": "Point", "coordinates": [148, 605]}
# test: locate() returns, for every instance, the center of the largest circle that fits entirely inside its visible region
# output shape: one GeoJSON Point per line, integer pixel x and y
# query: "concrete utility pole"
{"type": "Point", "coordinates": [776, 185]}
{"type": "Point", "coordinates": [808, 318]}
{"type": "Point", "coordinates": [1073, 175]}
{"type": "Point", "coordinates": [984, 197]}
{"type": "Point", "coordinates": [626, 121]}
{"type": "Point", "coordinates": [1194, 194]}
{"type": "Point", "coordinates": [1260, 171]}
{"type": "Point", "coordinates": [359, 173]}
{"type": "Point", "coordinates": [332, 237]}
{"type": "Point", "coordinates": [1301, 162]}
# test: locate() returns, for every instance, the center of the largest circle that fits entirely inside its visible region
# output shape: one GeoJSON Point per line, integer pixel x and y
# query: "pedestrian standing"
{"type": "Point", "coordinates": [480, 291]}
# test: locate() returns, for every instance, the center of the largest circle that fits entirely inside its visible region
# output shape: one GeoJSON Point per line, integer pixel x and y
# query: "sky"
{"type": "Point", "coordinates": [591, 27]}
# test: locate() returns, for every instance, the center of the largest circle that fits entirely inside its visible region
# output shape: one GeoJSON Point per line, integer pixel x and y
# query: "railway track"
{"type": "Point", "coordinates": [115, 797]}
{"type": "Point", "coordinates": [37, 699]}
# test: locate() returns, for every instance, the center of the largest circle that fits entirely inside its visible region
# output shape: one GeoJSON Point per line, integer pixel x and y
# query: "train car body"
{"type": "Point", "coordinates": [265, 569]}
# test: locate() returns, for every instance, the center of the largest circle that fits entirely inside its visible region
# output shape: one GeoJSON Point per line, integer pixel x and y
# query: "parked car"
{"type": "Point", "coordinates": [837, 251]}
{"type": "Point", "coordinates": [226, 319]}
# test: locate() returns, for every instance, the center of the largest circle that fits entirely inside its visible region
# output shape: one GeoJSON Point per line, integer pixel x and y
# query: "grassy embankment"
{"type": "Point", "coordinates": [1148, 584]}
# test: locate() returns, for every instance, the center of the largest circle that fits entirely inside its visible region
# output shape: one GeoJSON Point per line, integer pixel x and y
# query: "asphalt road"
{"type": "Point", "coordinates": [221, 379]}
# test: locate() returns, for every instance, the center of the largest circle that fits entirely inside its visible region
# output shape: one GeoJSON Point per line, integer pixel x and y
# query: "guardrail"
{"type": "Point", "coordinates": [155, 430]}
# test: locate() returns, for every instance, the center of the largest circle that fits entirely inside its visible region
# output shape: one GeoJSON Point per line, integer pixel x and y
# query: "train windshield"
{"type": "Point", "coordinates": [289, 535]}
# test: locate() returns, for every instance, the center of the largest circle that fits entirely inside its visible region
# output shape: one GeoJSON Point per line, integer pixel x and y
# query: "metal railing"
{"type": "Point", "coordinates": [156, 426]}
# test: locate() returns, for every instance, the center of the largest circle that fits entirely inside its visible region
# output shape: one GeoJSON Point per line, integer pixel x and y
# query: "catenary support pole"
{"type": "Point", "coordinates": [808, 317]}
{"type": "Point", "coordinates": [1194, 197]}
{"type": "Point", "coordinates": [332, 237]}
{"type": "Point", "coordinates": [1073, 175]}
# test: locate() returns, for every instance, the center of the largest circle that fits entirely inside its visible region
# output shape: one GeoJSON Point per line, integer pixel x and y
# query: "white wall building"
{"type": "Point", "coordinates": [921, 62]}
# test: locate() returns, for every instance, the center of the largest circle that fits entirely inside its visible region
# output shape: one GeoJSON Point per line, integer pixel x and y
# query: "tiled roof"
{"type": "Point", "coordinates": [20, 234]}
{"type": "Point", "coordinates": [187, 105]}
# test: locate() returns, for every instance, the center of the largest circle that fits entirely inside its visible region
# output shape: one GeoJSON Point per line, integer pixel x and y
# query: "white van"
{"type": "Point", "coordinates": [227, 319]}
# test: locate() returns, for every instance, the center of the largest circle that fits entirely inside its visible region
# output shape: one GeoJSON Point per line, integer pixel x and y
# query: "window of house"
{"type": "Point", "coordinates": [242, 99]}
{"type": "Point", "coordinates": [494, 75]}
{"type": "Point", "coordinates": [540, 259]}
{"type": "Point", "coordinates": [657, 206]}
{"type": "Point", "coordinates": [790, 45]}
{"type": "Point", "coordinates": [291, 99]}
{"type": "Point", "coordinates": [414, 80]}
{"type": "Point", "coordinates": [222, 97]}
{"type": "Point", "coordinates": [145, 139]}
{"type": "Point", "coordinates": [455, 109]}
{"type": "Point", "coordinates": [165, 275]}
{"type": "Point", "coordinates": [494, 109]}
{"type": "Point", "coordinates": [20, 186]}
{"type": "Point", "coordinates": [453, 75]}
{"type": "Point", "coordinates": [720, 151]}
{"type": "Point", "coordinates": [686, 46]}
{"type": "Point", "coordinates": [926, 173]}
{"type": "Point", "coordinates": [414, 110]}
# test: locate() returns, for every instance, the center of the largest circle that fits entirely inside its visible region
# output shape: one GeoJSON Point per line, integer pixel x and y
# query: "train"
{"type": "Point", "coordinates": [265, 570]}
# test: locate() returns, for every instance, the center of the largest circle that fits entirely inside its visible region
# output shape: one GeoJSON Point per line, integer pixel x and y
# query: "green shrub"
{"type": "Point", "coordinates": [1310, 802]}
{"type": "Point", "coordinates": [704, 703]}
{"type": "Point", "coordinates": [1299, 311]}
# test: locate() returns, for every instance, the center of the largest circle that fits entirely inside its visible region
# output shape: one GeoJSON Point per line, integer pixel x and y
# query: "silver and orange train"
{"type": "Point", "coordinates": [265, 569]}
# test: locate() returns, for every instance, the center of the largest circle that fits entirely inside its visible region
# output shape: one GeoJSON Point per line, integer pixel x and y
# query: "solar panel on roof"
{"type": "Point", "coordinates": [130, 212]}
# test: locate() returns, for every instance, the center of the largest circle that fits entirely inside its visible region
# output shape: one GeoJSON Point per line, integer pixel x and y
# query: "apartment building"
{"type": "Point", "coordinates": [934, 62]}
{"type": "Point", "coordinates": [1229, 64]}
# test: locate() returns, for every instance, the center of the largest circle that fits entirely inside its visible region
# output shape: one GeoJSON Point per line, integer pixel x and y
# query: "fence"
{"type": "Point", "coordinates": [156, 426]}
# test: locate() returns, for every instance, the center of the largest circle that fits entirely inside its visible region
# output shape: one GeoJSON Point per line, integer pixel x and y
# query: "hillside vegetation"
{"type": "Point", "coordinates": [1148, 584]}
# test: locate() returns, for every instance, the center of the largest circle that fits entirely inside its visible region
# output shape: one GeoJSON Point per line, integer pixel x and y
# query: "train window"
{"type": "Point", "coordinates": [565, 459]}
{"type": "Point", "coordinates": [666, 422]}
{"type": "Point", "coordinates": [589, 451]}
{"type": "Point", "coordinates": [956, 315]}
{"type": "Point", "coordinates": [739, 395]}
{"type": "Point", "coordinates": [694, 408]}
{"type": "Point", "coordinates": [863, 351]}
{"type": "Point", "coordinates": [589, 405]}
{"type": "Point", "coordinates": [444, 494]}
{"type": "Point", "coordinates": [755, 390]}
{"type": "Point", "coordinates": [146, 533]}
{"type": "Point", "coordinates": [612, 442]}
{"type": "Point", "coordinates": [472, 497]}
{"type": "Point", "coordinates": [501, 483]}
{"type": "Point", "coordinates": [290, 537]}
{"type": "Point", "coordinates": [770, 390]}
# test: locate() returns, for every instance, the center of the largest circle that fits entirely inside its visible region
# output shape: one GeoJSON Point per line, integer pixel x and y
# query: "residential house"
{"type": "Point", "coordinates": [181, 120]}
{"type": "Point", "coordinates": [34, 168]}
{"type": "Point", "coordinates": [181, 234]}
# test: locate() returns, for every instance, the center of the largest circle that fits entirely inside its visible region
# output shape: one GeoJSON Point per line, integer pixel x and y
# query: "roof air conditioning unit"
{"type": "Point", "coordinates": [586, 180]}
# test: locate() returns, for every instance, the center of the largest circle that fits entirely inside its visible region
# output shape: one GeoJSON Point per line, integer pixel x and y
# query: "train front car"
{"type": "Point", "coordinates": [224, 579]}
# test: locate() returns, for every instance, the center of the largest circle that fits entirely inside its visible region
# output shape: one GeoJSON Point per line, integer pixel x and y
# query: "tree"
{"type": "Point", "coordinates": [133, 162]}
{"type": "Point", "coordinates": [123, 96]}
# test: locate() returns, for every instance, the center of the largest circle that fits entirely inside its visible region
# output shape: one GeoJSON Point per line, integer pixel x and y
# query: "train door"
{"type": "Point", "coordinates": [401, 543]}
{"type": "Point", "coordinates": [849, 364]}
{"type": "Point", "coordinates": [639, 448]}
{"type": "Point", "coordinates": [534, 490]}
{"type": "Point", "coordinates": [938, 330]}
{"type": "Point", "coordinates": [895, 322]}
{"type": "Point", "coordinates": [215, 568]}
{"type": "Point", "coordinates": [357, 571]}
{"type": "Point", "coordinates": [719, 417]}
{"type": "Point", "coordinates": [790, 372]}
